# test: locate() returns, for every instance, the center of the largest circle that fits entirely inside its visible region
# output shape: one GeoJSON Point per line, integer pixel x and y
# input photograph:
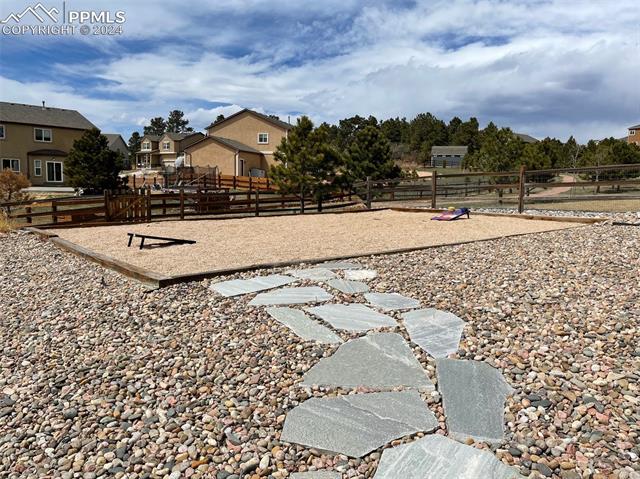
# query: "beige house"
{"type": "Point", "coordinates": [634, 135]}
{"type": "Point", "coordinates": [242, 144]}
{"type": "Point", "coordinates": [163, 150]}
{"type": "Point", "coordinates": [35, 140]}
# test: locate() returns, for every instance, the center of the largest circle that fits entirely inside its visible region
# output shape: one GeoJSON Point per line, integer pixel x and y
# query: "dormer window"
{"type": "Point", "coordinates": [146, 145]}
{"type": "Point", "coordinates": [263, 138]}
{"type": "Point", "coordinates": [166, 145]}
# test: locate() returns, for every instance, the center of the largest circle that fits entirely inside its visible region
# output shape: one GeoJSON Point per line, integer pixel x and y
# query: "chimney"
{"type": "Point", "coordinates": [43, 107]}
{"type": "Point", "coordinates": [289, 119]}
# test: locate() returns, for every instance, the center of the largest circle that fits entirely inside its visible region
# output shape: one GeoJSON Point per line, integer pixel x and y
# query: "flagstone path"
{"type": "Point", "coordinates": [375, 361]}
{"type": "Point", "coordinates": [357, 424]}
{"type": "Point", "coordinates": [437, 332]}
{"type": "Point", "coordinates": [473, 393]}
{"type": "Point", "coordinates": [352, 317]}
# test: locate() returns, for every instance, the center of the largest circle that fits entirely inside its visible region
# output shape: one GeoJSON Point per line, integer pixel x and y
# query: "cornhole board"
{"type": "Point", "coordinates": [452, 215]}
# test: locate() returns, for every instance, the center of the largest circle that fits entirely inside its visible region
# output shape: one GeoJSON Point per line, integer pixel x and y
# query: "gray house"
{"type": "Point", "coordinates": [117, 143]}
{"type": "Point", "coordinates": [448, 156]}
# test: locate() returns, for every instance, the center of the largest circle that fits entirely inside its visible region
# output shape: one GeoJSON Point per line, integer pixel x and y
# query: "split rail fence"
{"type": "Point", "coordinates": [600, 188]}
{"type": "Point", "coordinates": [143, 205]}
{"type": "Point", "coordinates": [195, 178]}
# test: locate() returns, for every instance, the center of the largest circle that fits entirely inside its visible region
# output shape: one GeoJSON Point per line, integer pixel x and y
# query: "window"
{"type": "Point", "coordinates": [263, 138]}
{"type": "Point", "coordinates": [2, 137]}
{"type": "Point", "coordinates": [42, 134]}
{"type": "Point", "coordinates": [11, 164]}
{"type": "Point", "coordinates": [166, 145]}
{"type": "Point", "coordinates": [631, 133]}
{"type": "Point", "coordinates": [146, 145]}
{"type": "Point", "coordinates": [37, 167]}
{"type": "Point", "coordinates": [54, 172]}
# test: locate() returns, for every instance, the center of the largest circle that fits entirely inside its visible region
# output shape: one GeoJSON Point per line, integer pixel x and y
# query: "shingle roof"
{"type": "Point", "coordinates": [44, 116]}
{"type": "Point", "coordinates": [47, 152]}
{"type": "Point", "coordinates": [637, 127]}
{"type": "Point", "coordinates": [113, 137]}
{"type": "Point", "coordinates": [151, 137]}
{"type": "Point", "coordinates": [236, 145]}
{"type": "Point", "coordinates": [179, 136]}
{"type": "Point", "coordinates": [526, 138]}
{"type": "Point", "coordinates": [274, 121]}
{"type": "Point", "coordinates": [449, 150]}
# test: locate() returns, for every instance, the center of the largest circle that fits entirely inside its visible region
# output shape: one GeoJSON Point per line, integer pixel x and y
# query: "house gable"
{"type": "Point", "coordinates": [252, 129]}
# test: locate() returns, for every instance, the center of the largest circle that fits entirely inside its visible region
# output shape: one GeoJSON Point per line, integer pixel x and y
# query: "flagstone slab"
{"type": "Point", "coordinates": [309, 294]}
{"type": "Point", "coordinates": [340, 265]}
{"type": "Point", "coordinates": [313, 274]}
{"type": "Point", "coordinates": [375, 361]}
{"type": "Point", "coordinates": [435, 331]}
{"type": "Point", "coordinates": [473, 397]}
{"type": "Point", "coordinates": [237, 287]}
{"type": "Point", "coordinates": [438, 457]}
{"type": "Point", "coordinates": [352, 317]}
{"type": "Point", "coordinates": [303, 325]}
{"type": "Point", "coordinates": [391, 301]}
{"type": "Point", "coordinates": [347, 286]}
{"type": "Point", "coordinates": [357, 424]}
{"type": "Point", "coordinates": [361, 274]}
{"type": "Point", "coordinates": [316, 475]}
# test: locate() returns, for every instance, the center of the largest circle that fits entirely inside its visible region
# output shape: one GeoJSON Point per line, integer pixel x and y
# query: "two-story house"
{"type": "Point", "coordinates": [161, 151]}
{"type": "Point", "coordinates": [242, 144]}
{"type": "Point", "coordinates": [634, 135]}
{"type": "Point", "coordinates": [35, 140]}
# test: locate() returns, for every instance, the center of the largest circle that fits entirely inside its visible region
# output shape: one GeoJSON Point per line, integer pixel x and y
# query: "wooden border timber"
{"type": "Point", "coordinates": [158, 280]}
{"type": "Point", "coordinates": [559, 219]}
{"type": "Point", "coordinates": [149, 278]}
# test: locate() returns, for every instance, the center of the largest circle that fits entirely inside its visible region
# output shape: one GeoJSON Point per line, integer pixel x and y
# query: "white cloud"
{"type": "Point", "coordinates": [545, 67]}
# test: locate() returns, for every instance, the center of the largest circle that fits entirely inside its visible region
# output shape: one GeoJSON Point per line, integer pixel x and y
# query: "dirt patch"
{"type": "Point", "coordinates": [243, 242]}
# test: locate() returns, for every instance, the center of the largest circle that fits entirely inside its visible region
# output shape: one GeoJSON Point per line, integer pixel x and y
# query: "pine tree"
{"type": "Point", "coordinates": [369, 155]}
{"type": "Point", "coordinates": [134, 144]}
{"type": "Point", "coordinates": [306, 162]}
{"type": "Point", "coordinates": [157, 126]}
{"type": "Point", "coordinates": [177, 123]}
{"type": "Point", "coordinates": [91, 165]}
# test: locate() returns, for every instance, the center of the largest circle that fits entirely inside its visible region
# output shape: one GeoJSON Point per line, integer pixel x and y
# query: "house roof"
{"type": "Point", "coordinates": [151, 137]}
{"type": "Point", "coordinates": [449, 150]}
{"type": "Point", "coordinates": [113, 137]}
{"type": "Point", "coordinates": [179, 136]}
{"type": "Point", "coordinates": [236, 145]}
{"type": "Point", "coordinates": [526, 138]}
{"type": "Point", "coordinates": [47, 153]}
{"type": "Point", "coordinates": [282, 124]}
{"type": "Point", "coordinates": [44, 116]}
{"type": "Point", "coordinates": [637, 127]}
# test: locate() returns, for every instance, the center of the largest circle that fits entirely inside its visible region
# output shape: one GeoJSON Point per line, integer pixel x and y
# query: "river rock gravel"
{"type": "Point", "coordinates": [101, 377]}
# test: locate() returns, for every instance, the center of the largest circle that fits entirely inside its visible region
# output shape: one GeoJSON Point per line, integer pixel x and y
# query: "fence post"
{"type": "Point", "coordinates": [164, 207]}
{"type": "Point", "coordinates": [181, 202]}
{"type": "Point", "coordinates": [28, 211]}
{"type": "Point", "coordinates": [250, 182]}
{"type": "Point", "coordinates": [368, 192]}
{"type": "Point", "coordinates": [149, 204]}
{"type": "Point", "coordinates": [107, 214]}
{"type": "Point", "coordinates": [234, 182]}
{"type": "Point", "coordinates": [257, 202]}
{"type": "Point", "coordinates": [434, 188]}
{"type": "Point", "coordinates": [521, 189]}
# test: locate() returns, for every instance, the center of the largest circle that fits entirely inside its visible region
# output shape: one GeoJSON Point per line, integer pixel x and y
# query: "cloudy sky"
{"type": "Point", "coordinates": [547, 68]}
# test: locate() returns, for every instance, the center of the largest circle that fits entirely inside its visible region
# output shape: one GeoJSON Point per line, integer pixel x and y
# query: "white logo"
{"type": "Point", "coordinates": [37, 11]}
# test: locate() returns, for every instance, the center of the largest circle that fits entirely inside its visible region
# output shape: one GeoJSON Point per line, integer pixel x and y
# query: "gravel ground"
{"type": "Point", "coordinates": [101, 378]}
{"type": "Point", "coordinates": [275, 239]}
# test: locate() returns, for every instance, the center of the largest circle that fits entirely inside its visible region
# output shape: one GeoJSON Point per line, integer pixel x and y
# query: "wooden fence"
{"type": "Point", "coordinates": [144, 205]}
{"type": "Point", "coordinates": [578, 186]}
{"type": "Point", "coordinates": [192, 178]}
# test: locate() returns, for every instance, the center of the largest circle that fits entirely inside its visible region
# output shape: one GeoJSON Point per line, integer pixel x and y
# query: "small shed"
{"type": "Point", "coordinates": [448, 156]}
